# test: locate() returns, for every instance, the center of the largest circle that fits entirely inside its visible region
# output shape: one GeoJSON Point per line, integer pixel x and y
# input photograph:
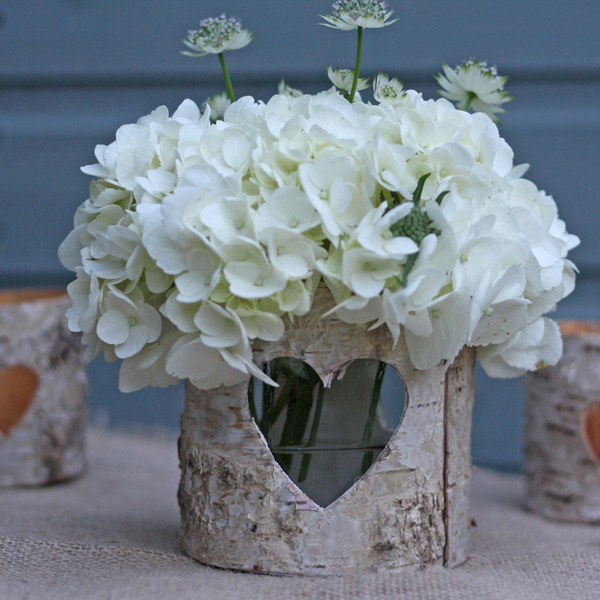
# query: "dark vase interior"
{"type": "Point", "coordinates": [326, 438]}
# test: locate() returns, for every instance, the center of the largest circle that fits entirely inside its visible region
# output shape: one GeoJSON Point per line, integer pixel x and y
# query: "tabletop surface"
{"type": "Point", "coordinates": [113, 534]}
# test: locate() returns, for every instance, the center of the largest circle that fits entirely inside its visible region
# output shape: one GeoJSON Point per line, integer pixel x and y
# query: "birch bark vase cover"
{"type": "Point", "coordinates": [240, 510]}
{"type": "Point", "coordinates": [42, 390]}
{"type": "Point", "coordinates": [562, 430]}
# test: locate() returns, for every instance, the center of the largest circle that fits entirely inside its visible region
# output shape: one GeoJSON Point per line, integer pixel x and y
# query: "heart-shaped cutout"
{"type": "Point", "coordinates": [17, 389]}
{"type": "Point", "coordinates": [326, 438]}
{"type": "Point", "coordinates": [590, 431]}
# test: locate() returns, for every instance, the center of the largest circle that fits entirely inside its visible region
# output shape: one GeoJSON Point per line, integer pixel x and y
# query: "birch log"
{"type": "Point", "coordinates": [42, 390]}
{"type": "Point", "coordinates": [240, 510]}
{"type": "Point", "coordinates": [562, 430]}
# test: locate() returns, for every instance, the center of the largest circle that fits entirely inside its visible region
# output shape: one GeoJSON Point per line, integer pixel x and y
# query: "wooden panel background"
{"type": "Point", "coordinates": [72, 71]}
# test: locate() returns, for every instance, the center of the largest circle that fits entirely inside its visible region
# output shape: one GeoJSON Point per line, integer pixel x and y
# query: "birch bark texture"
{"type": "Point", "coordinates": [562, 430]}
{"type": "Point", "coordinates": [240, 510]}
{"type": "Point", "coordinates": [42, 390]}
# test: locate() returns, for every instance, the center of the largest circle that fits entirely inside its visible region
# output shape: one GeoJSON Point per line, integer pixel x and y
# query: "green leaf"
{"type": "Point", "coordinates": [442, 196]}
{"type": "Point", "coordinates": [419, 189]}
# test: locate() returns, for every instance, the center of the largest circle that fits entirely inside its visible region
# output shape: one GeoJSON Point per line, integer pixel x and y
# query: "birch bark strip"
{"type": "Point", "coordinates": [460, 397]}
{"type": "Point", "coordinates": [44, 442]}
{"type": "Point", "coordinates": [240, 510]}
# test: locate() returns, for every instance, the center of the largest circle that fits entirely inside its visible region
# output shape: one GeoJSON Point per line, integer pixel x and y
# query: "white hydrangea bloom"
{"type": "Point", "coordinates": [200, 237]}
{"type": "Point", "coordinates": [449, 319]}
{"type": "Point", "coordinates": [148, 367]}
{"type": "Point", "coordinates": [365, 272]}
{"type": "Point", "coordinates": [374, 234]}
{"type": "Point", "coordinates": [536, 346]}
{"type": "Point", "coordinates": [86, 294]}
{"type": "Point", "coordinates": [128, 325]}
{"type": "Point", "coordinates": [249, 272]}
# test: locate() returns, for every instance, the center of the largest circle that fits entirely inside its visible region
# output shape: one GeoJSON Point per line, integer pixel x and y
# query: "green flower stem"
{"type": "Point", "coordinates": [299, 404]}
{"type": "Point", "coordinates": [312, 439]}
{"type": "Point", "coordinates": [408, 266]}
{"type": "Point", "coordinates": [357, 67]}
{"type": "Point", "coordinates": [470, 97]}
{"type": "Point", "coordinates": [368, 431]}
{"type": "Point", "coordinates": [227, 78]}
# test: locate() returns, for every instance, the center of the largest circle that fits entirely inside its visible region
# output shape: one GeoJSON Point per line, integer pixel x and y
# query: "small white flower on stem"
{"type": "Point", "coordinates": [536, 346]}
{"type": "Point", "coordinates": [86, 294]}
{"type": "Point", "coordinates": [291, 253]}
{"type": "Point", "coordinates": [229, 219]}
{"type": "Point", "coordinates": [365, 272]}
{"type": "Point", "coordinates": [201, 279]}
{"type": "Point", "coordinates": [408, 305]}
{"type": "Point", "coordinates": [449, 319]}
{"type": "Point", "coordinates": [343, 78]}
{"type": "Point", "coordinates": [474, 85]}
{"type": "Point", "coordinates": [288, 207]}
{"type": "Point", "coordinates": [249, 272]}
{"type": "Point", "coordinates": [351, 14]}
{"type": "Point", "coordinates": [259, 323]}
{"type": "Point", "coordinates": [219, 327]}
{"type": "Point", "coordinates": [217, 34]}
{"type": "Point", "coordinates": [218, 104]}
{"type": "Point", "coordinates": [128, 325]}
{"type": "Point", "coordinates": [190, 358]}
{"type": "Point", "coordinates": [287, 90]}
{"type": "Point", "coordinates": [148, 367]}
{"type": "Point", "coordinates": [387, 90]}
{"type": "Point", "coordinates": [209, 367]}
{"type": "Point", "coordinates": [373, 232]}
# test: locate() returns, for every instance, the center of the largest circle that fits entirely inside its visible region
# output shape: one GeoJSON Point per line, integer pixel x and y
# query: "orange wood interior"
{"type": "Point", "coordinates": [29, 294]}
{"type": "Point", "coordinates": [578, 327]}
{"type": "Point", "coordinates": [17, 389]}
{"type": "Point", "coordinates": [590, 430]}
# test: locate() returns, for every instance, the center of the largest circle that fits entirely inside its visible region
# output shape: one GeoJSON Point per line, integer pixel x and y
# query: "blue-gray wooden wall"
{"type": "Point", "coordinates": [72, 71]}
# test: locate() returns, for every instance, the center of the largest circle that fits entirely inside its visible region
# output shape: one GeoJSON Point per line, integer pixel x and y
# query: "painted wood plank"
{"type": "Point", "coordinates": [67, 39]}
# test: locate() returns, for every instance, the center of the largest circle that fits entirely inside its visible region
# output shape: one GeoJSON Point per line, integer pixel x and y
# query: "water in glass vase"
{"type": "Point", "coordinates": [326, 438]}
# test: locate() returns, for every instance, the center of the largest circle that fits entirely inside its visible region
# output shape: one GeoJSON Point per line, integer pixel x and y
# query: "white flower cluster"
{"type": "Point", "coordinates": [200, 237]}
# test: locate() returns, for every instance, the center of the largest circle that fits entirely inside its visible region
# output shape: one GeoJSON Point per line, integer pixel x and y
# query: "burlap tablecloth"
{"type": "Point", "coordinates": [112, 535]}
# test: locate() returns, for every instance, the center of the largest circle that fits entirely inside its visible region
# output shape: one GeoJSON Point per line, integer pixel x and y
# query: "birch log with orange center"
{"type": "Point", "coordinates": [42, 390]}
{"type": "Point", "coordinates": [562, 429]}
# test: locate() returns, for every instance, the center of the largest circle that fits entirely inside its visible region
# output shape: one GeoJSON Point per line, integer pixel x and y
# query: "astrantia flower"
{"type": "Point", "coordinates": [218, 104]}
{"type": "Point", "coordinates": [387, 90]}
{"type": "Point", "coordinates": [351, 14]}
{"type": "Point", "coordinates": [343, 78]}
{"type": "Point", "coordinates": [217, 34]}
{"type": "Point", "coordinates": [287, 90]}
{"type": "Point", "coordinates": [474, 85]}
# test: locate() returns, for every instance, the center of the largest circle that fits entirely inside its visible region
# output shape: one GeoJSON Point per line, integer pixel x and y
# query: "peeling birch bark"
{"type": "Point", "coordinates": [240, 510]}
{"type": "Point", "coordinates": [562, 472]}
{"type": "Point", "coordinates": [42, 390]}
{"type": "Point", "coordinates": [460, 397]}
